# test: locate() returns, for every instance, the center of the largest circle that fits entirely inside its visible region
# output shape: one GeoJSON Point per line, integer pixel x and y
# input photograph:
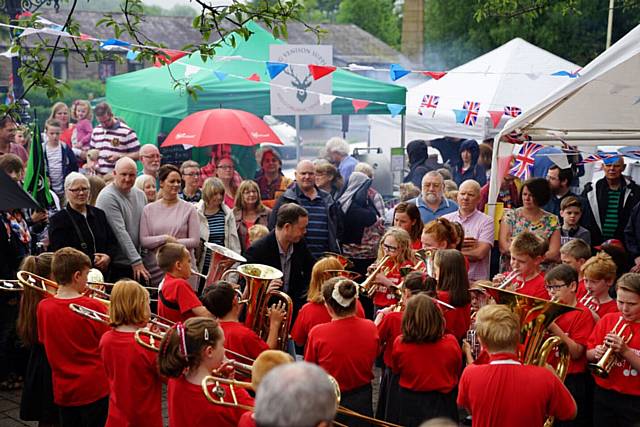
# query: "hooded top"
{"type": "Point", "coordinates": [475, 171]}
{"type": "Point", "coordinates": [419, 162]}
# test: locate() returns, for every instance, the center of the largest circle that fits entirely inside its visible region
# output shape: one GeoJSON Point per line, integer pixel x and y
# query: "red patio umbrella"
{"type": "Point", "coordinates": [221, 126]}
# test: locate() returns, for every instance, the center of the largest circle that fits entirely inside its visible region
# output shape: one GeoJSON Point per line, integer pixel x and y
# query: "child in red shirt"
{"type": "Point", "coordinates": [346, 347]}
{"type": "Point", "coordinates": [176, 299]}
{"type": "Point", "coordinates": [426, 389]}
{"type": "Point", "coordinates": [136, 389]}
{"type": "Point", "coordinates": [221, 300]}
{"type": "Point", "coordinates": [527, 253]}
{"type": "Point", "coordinates": [314, 312]}
{"type": "Point", "coordinates": [189, 353]}
{"type": "Point", "coordinates": [599, 274]}
{"type": "Point", "coordinates": [575, 253]}
{"type": "Point", "coordinates": [574, 329]}
{"type": "Point", "coordinates": [505, 393]}
{"type": "Point", "coordinates": [453, 288]}
{"type": "Point", "coordinates": [80, 386]}
{"type": "Point", "coordinates": [389, 323]}
{"type": "Point", "coordinates": [617, 397]}
{"type": "Point", "coordinates": [396, 246]}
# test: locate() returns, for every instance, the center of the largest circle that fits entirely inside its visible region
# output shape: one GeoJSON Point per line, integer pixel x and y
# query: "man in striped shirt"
{"type": "Point", "coordinates": [610, 202]}
{"type": "Point", "coordinates": [113, 139]}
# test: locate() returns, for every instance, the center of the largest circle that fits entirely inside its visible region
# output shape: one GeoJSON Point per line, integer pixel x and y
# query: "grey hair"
{"type": "Point", "coordinates": [296, 394]}
{"type": "Point", "coordinates": [337, 145]}
{"type": "Point", "coordinates": [73, 177]}
{"type": "Point", "coordinates": [142, 180]}
{"type": "Point", "coordinates": [432, 174]}
{"type": "Point", "coordinates": [365, 168]}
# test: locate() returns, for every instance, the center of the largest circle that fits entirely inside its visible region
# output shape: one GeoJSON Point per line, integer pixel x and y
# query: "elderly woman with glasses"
{"type": "Point", "coordinates": [249, 210]}
{"type": "Point", "coordinates": [82, 226]}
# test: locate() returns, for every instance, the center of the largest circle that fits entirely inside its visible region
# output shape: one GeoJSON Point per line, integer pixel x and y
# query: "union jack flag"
{"type": "Point", "coordinates": [428, 101]}
{"type": "Point", "coordinates": [472, 109]}
{"type": "Point", "coordinates": [512, 111]}
{"type": "Point", "coordinates": [524, 161]}
{"type": "Point", "coordinates": [592, 158]}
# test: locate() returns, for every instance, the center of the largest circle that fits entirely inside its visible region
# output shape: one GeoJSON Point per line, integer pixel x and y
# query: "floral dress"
{"type": "Point", "coordinates": [517, 222]}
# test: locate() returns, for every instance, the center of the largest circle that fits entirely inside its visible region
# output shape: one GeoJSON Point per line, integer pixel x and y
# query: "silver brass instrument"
{"type": "Point", "coordinates": [10, 286]}
{"type": "Point", "coordinates": [426, 260]}
{"type": "Point", "coordinates": [222, 259]}
{"type": "Point", "coordinates": [257, 277]}
{"type": "Point", "coordinates": [508, 279]}
{"type": "Point", "coordinates": [590, 301]}
{"type": "Point", "coordinates": [608, 359]}
{"type": "Point", "coordinates": [49, 287]}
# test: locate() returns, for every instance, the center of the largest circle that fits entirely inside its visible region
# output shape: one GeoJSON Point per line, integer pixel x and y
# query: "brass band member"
{"type": "Point", "coordinates": [453, 288]}
{"type": "Point", "coordinates": [599, 274]}
{"type": "Point", "coordinates": [527, 253]}
{"type": "Point", "coordinates": [395, 245]}
{"type": "Point", "coordinates": [617, 397]}
{"type": "Point", "coordinates": [346, 347]}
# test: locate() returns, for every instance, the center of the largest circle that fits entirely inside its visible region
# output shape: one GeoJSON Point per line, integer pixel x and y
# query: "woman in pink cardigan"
{"type": "Point", "coordinates": [168, 219]}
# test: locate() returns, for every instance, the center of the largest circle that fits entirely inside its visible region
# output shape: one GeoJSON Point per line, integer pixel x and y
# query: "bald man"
{"type": "Point", "coordinates": [150, 158]}
{"type": "Point", "coordinates": [123, 205]}
{"type": "Point", "coordinates": [478, 230]}
{"type": "Point", "coordinates": [322, 232]}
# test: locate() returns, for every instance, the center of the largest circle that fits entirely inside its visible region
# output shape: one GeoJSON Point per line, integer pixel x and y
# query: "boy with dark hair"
{"type": "Point", "coordinates": [80, 386]}
{"type": "Point", "coordinates": [571, 212]}
{"type": "Point", "coordinates": [58, 156]}
{"type": "Point", "coordinates": [176, 299]}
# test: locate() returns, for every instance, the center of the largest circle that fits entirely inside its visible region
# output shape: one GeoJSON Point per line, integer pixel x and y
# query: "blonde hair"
{"type": "Point", "coordinates": [598, 267]}
{"type": "Point", "coordinates": [527, 243]}
{"type": "Point", "coordinates": [265, 362]}
{"type": "Point", "coordinates": [142, 180]}
{"type": "Point", "coordinates": [630, 282]}
{"type": "Point", "coordinates": [129, 304]}
{"type": "Point", "coordinates": [577, 248]}
{"type": "Point", "coordinates": [257, 232]}
{"type": "Point", "coordinates": [85, 104]}
{"type": "Point", "coordinates": [93, 154]}
{"type": "Point", "coordinates": [404, 252]}
{"type": "Point", "coordinates": [498, 328]}
{"type": "Point", "coordinates": [211, 186]}
{"type": "Point", "coordinates": [319, 276]}
{"type": "Point", "coordinates": [56, 107]}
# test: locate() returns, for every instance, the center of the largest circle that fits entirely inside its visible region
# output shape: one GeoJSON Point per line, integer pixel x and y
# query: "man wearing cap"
{"type": "Point", "coordinates": [609, 202]}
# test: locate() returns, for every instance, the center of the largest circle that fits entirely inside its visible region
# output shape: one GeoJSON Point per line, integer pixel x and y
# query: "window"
{"type": "Point", "coordinates": [134, 65]}
{"type": "Point", "coordinates": [59, 66]}
{"type": "Point", "coordinates": [106, 69]}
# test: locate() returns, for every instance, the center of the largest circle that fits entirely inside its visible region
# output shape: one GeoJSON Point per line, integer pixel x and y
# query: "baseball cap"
{"type": "Point", "coordinates": [611, 242]}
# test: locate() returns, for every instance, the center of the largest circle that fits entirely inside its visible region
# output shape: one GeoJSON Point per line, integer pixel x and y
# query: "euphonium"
{"type": "Point", "coordinates": [369, 285]}
{"type": "Point", "coordinates": [590, 301]}
{"type": "Point", "coordinates": [257, 277]}
{"type": "Point", "coordinates": [49, 287]}
{"type": "Point", "coordinates": [222, 259]}
{"type": "Point", "coordinates": [605, 364]}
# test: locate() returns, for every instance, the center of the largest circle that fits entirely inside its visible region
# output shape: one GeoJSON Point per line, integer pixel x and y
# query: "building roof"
{"type": "Point", "coordinates": [351, 44]}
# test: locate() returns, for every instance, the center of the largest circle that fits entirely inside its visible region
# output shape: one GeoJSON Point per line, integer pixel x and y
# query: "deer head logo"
{"type": "Point", "coordinates": [302, 86]}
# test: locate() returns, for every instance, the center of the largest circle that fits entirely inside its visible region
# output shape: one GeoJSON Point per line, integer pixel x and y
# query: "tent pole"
{"type": "Point", "coordinates": [403, 136]}
{"type": "Point", "coordinates": [299, 141]}
{"type": "Point", "coordinates": [494, 185]}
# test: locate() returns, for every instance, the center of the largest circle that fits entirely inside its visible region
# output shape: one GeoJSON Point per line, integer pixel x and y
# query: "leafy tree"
{"type": "Point", "coordinates": [373, 16]}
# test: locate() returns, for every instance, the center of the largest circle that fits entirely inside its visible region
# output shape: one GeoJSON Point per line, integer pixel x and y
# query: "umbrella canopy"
{"type": "Point", "coordinates": [12, 196]}
{"type": "Point", "coordinates": [221, 126]}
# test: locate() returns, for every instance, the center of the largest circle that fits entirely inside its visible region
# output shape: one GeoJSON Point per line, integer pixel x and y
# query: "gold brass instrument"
{"type": "Point", "coordinates": [257, 277]}
{"type": "Point", "coordinates": [369, 286]}
{"type": "Point", "coordinates": [222, 259]}
{"type": "Point", "coordinates": [426, 259]}
{"type": "Point", "coordinates": [590, 301]}
{"type": "Point", "coordinates": [608, 359]}
{"type": "Point", "coordinates": [346, 262]}
{"type": "Point", "coordinates": [49, 287]}
{"type": "Point", "coordinates": [10, 286]}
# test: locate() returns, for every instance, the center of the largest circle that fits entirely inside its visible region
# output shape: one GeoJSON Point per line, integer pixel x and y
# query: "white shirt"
{"type": "Point", "coordinates": [54, 164]}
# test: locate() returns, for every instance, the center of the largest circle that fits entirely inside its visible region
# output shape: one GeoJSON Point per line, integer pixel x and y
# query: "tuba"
{"type": "Point", "coordinates": [222, 259]}
{"type": "Point", "coordinates": [606, 362]}
{"type": "Point", "coordinates": [257, 278]}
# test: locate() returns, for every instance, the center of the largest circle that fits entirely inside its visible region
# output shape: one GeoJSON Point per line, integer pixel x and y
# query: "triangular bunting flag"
{"type": "Point", "coordinates": [397, 72]}
{"type": "Point", "coordinates": [564, 73]}
{"type": "Point", "coordinates": [460, 115]}
{"type": "Point", "coordinates": [359, 104]}
{"type": "Point", "coordinates": [220, 75]}
{"type": "Point", "coordinates": [495, 117]}
{"type": "Point", "coordinates": [190, 70]}
{"type": "Point", "coordinates": [35, 182]}
{"type": "Point", "coordinates": [437, 75]}
{"type": "Point", "coordinates": [275, 68]}
{"type": "Point", "coordinates": [85, 37]}
{"type": "Point", "coordinates": [326, 99]}
{"type": "Point", "coordinates": [114, 42]}
{"type": "Point", "coordinates": [167, 56]}
{"type": "Point", "coordinates": [319, 71]}
{"type": "Point", "coordinates": [254, 77]}
{"type": "Point", "coordinates": [132, 55]}
{"type": "Point", "coordinates": [395, 109]}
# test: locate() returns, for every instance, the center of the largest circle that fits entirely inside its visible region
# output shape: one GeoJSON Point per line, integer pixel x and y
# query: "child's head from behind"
{"type": "Point", "coordinates": [174, 258]}
{"type": "Point", "coordinates": [498, 328]}
{"type": "Point", "coordinates": [418, 282]}
{"type": "Point", "coordinates": [561, 283]}
{"type": "Point", "coordinates": [129, 304]}
{"type": "Point", "coordinates": [200, 341]}
{"type": "Point", "coordinates": [571, 211]}
{"type": "Point", "coordinates": [319, 274]}
{"type": "Point", "coordinates": [257, 232]}
{"type": "Point", "coordinates": [575, 253]}
{"type": "Point", "coordinates": [219, 298]}
{"type": "Point", "coordinates": [599, 273]}
{"type": "Point", "coordinates": [422, 320]}
{"type": "Point", "coordinates": [70, 267]}
{"type": "Point", "coordinates": [527, 252]}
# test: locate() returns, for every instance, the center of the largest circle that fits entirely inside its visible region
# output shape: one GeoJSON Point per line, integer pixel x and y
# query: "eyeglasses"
{"type": "Point", "coordinates": [225, 167]}
{"type": "Point", "coordinates": [250, 192]}
{"type": "Point", "coordinates": [191, 174]}
{"type": "Point", "coordinates": [389, 248]}
{"type": "Point", "coordinates": [554, 287]}
{"type": "Point", "coordinates": [79, 190]}
{"type": "Point", "coordinates": [152, 156]}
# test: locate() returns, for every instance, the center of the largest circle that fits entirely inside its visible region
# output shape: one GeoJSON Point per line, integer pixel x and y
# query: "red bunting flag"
{"type": "Point", "coordinates": [85, 37]}
{"type": "Point", "coordinates": [254, 77]}
{"type": "Point", "coordinates": [495, 117]}
{"type": "Point", "coordinates": [319, 71]}
{"type": "Point", "coordinates": [168, 56]}
{"type": "Point", "coordinates": [359, 104]}
{"type": "Point", "coordinates": [435, 74]}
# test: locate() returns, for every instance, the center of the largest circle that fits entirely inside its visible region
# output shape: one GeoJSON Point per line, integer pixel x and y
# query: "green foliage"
{"type": "Point", "coordinates": [373, 16]}
{"type": "Point", "coordinates": [457, 31]}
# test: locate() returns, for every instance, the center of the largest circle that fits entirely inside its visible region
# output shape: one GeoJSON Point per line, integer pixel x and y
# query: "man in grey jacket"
{"type": "Point", "coordinates": [123, 205]}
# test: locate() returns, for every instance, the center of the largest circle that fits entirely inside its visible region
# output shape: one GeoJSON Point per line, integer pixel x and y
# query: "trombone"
{"type": "Point", "coordinates": [50, 288]}
{"type": "Point", "coordinates": [10, 286]}
{"type": "Point", "coordinates": [606, 362]}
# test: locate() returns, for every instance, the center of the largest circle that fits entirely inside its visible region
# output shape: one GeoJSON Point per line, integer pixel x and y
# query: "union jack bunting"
{"type": "Point", "coordinates": [524, 161]}
{"type": "Point", "coordinates": [472, 109]}
{"type": "Point", "coordinates": [428, 101]}
{"type": "Point", "coordinates": [592, 158]}
{"type": "Point", "coordinates": [512, 111]}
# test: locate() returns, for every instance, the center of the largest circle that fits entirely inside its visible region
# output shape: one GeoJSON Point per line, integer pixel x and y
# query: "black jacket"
{"type": "Point", "coordinates": [94, 228]}
{"type": "Point", "coordinates": [266, 251]}
{"type": "Point", "coordinates": [596, 207]}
